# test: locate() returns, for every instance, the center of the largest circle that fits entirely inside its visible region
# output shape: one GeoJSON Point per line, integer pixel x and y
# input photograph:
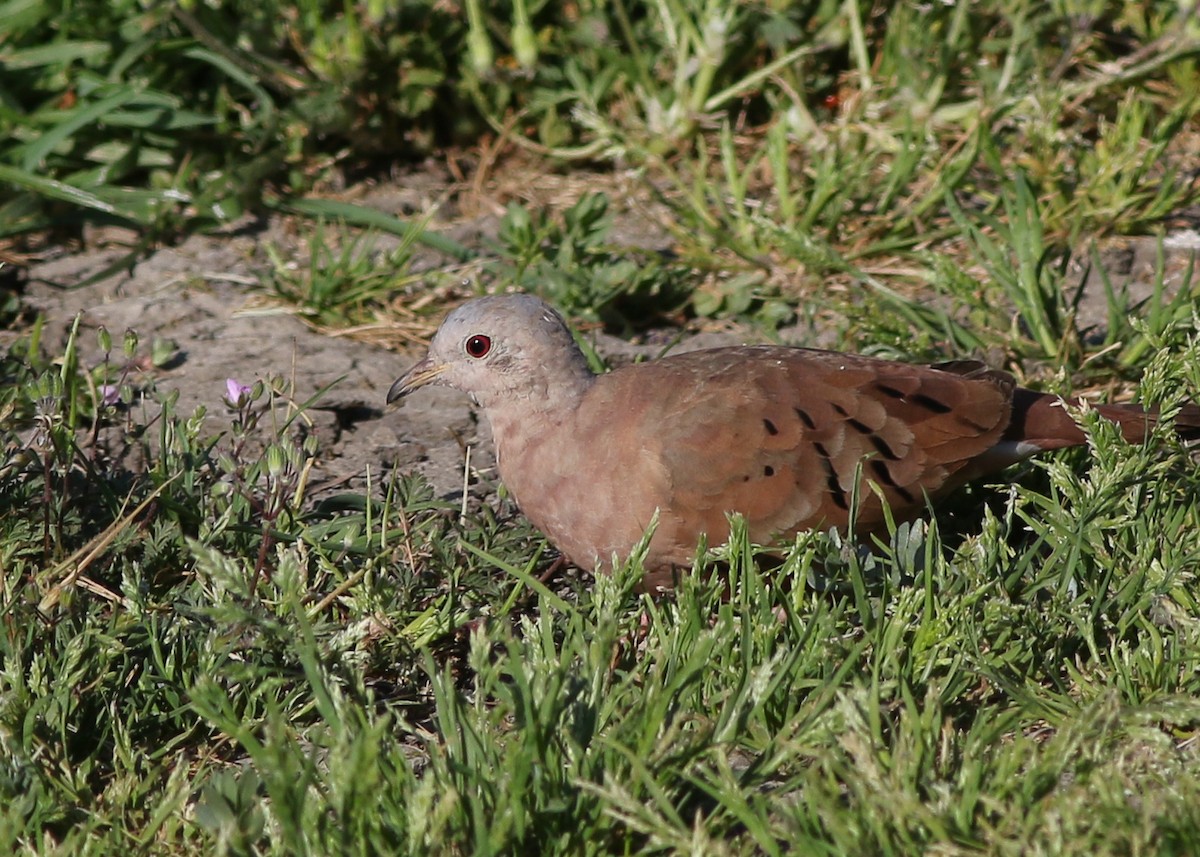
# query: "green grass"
{"type": "Point", "coordinates": [198, 658]}
{"type": "Point", "coordinates": [386, 681]}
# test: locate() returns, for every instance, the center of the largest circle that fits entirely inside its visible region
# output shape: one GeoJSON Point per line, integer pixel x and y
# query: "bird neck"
{"type": "Point", "coordinates": [541, 404]}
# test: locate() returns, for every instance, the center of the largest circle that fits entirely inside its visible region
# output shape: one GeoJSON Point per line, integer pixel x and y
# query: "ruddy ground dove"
{"type": "Point", "coordinates": [777, 434]}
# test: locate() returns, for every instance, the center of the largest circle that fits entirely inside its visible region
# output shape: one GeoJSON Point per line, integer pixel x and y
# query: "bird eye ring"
{"type": "Point", "coordinates": [478, 346]}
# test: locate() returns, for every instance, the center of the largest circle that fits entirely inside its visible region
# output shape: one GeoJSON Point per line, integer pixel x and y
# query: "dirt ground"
{"type": "Point", "coordinates": [203, 295]}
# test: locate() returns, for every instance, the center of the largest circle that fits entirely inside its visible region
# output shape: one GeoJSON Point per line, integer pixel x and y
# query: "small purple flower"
{"type": "Point", "coordinates": [109, 395]}
{"type": "Point", "coordinates": [236, 394]}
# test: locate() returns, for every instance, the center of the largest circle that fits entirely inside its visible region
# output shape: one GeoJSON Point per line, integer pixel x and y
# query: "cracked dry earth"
{"type": "Point", "coordinates": [203, 295]}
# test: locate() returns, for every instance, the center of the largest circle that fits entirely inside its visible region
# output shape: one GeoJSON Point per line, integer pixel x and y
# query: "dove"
{"type": "Point", "coordinates": [779, 435]}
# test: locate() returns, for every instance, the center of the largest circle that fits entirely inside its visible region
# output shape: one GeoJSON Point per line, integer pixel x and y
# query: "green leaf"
{"type": "Point", "coordinates": [358, 215]}
{"type": "Point", "coordinates": [36, 152]}
{"type": "Point", "coordinates": [55, 189]}
{"type": "Point", "coordinates": [59, 54]}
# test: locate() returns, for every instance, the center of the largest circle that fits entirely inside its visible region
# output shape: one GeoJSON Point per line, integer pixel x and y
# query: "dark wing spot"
{"type": "Point", "coordinates": [885, 478]}
{"type": "Point", "coordinates": [931, 404]}
{"type": "Point", "coordinates": [882, 447]}
{"type": "Point", "coordinates": [770, 427]}
{"type": "Point", "coordinates": [885, 475]}
{"type": "Point", "coordinates": [890, 392]}
{"type": "Point", "coordinates": [805, 418]}
{"type": "Point", "coordinates": [831, 479]}
{"type": "Point", "coordinates": [768, 471]}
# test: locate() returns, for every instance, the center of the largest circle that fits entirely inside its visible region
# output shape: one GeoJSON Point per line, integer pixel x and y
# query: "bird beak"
{"type": "Point", "coordinates": [425, 372]}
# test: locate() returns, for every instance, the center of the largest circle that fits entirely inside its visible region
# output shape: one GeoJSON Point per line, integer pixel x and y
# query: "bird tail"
{"type": "Point", "coordinates": [1041, 419]}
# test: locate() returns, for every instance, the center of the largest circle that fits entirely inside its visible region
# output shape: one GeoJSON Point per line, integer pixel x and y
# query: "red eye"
{"type": "Point", "coordinates": [478, 346]}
